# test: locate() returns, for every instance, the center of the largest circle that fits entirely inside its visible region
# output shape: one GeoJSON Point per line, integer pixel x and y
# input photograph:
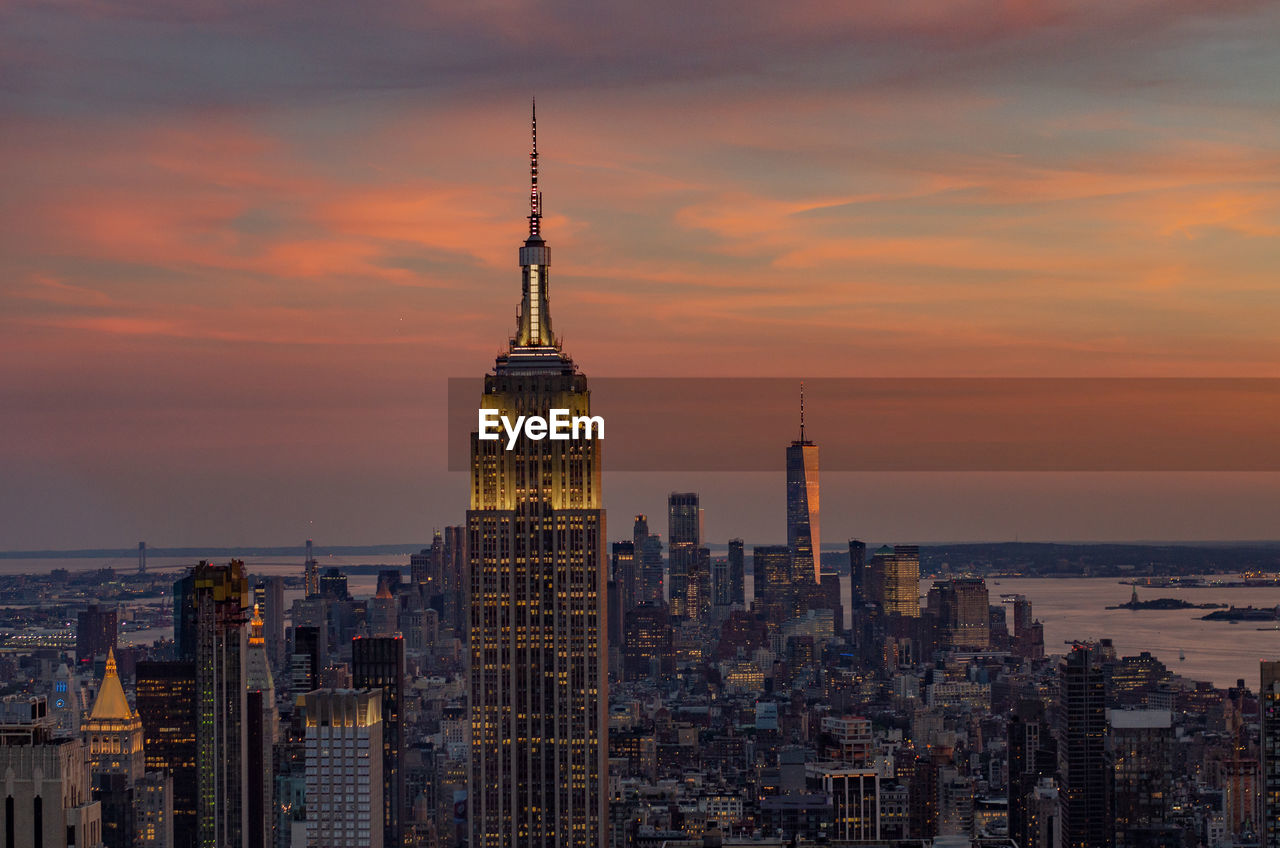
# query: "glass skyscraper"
{"type": "Point", "coordinates": [803, 533]}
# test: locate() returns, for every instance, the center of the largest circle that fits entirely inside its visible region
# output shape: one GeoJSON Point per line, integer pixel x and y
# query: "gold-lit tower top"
{"type": "Point", "coordinates": [534, 343]}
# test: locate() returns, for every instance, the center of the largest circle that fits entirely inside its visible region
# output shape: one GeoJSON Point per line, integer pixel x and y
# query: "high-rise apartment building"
{"type": "Point", "coordinates": [536, 536]}
{"type": "Point", "coordinates": [803, 533]}
{"type": "Point", "coordinates": [378, 663]}
{"type": "Point", "coordinates": [268, 597]}
{"type": "Point", "coordinates": [344, 768]}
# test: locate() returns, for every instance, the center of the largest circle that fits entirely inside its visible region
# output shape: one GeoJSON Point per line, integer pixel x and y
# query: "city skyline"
{"type": "Point", "coordinates": [231, 285]}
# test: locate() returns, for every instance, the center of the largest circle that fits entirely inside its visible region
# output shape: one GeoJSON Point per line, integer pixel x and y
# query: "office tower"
{"type": "Point", "coordinates": [650, 588]}
{"type": "Point", "coordinates": [46, 782]}
{"type": "Point", "coordinates": [1083, 766]}
{"type": "Point", "coordinates": [955, 803]}
{"type": "Point", "coordinates": [1033, 756]}
{"type": "Point", "coordinates": [1141, 750]}
{"type": "Point", "coordinates": [625, 571]}
{"type": "Point", "coordinates": [648, 642]}
{"type": "Point", "coordinates": [344, 772]}
{"type": "Point", "coordinates": [268, 597]}
{"type": "Point", "coordinates": [307, 659]}
{"type": "Point", "coordinates": [684, 536]}
{"type": "Point", "coordinates": [333, 585]}
{"type": "Point", "coordinates": [166, 695]}
{"type": "Point", "coordinates": [855, 798]}
{"type": "Point", "coordinates": [536, 537]}
{"type": "Point", "coordinates": [142, 557]}
{"type": "Point", "coordinates": [1021, 615]}
{"type": "Point", "coordinates": [700, 591]}
{"type": "Point", "coordinates": [96, 632]}
{"type": "Point", "coordinates": [771, 565]}
{"type": "Point", "coordinates": [900, 579]}
{"type": "Point", "coordinates": [113, 733]}
{"type": "Point", "coordinates": [378, 663]}
{"type": "Point", "coordinates": [420, 572]}
{"type": "Point", "coordinates": [262, 732]}
{"type": "Point", "coordinates": [382, 612]}
{"type": "Point", "coordinates": [963, 610]}
{"type": "Point", "coordinates": [737, 573]}
{"type": "Point", "coordinates": [721, 587]}
{"type": "Point", "coordinates": [1269, 708]}
{"type": "Point", "coordinates": [455, 582]}
{"type": "Point", "coordinates": [803, 536]}
{"type": "Point", "coordinates": [859, 595]}
{"type": "Point", "coordinates": [216, 601]}
{"type": "Point", "coordinates": [310, 574]}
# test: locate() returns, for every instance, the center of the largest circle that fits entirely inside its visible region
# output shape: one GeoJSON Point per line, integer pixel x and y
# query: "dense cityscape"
{"type": "Point", "coordinates": [533, 680]}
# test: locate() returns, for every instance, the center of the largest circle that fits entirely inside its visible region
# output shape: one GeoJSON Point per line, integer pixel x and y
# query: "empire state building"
{"type": "Point", "coordinates": [536, 532]}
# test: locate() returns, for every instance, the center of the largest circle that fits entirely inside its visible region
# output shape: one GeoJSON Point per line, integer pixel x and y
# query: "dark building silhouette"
{"type": "Point", "coordinates": [1084, 767]}
{"type": "Point", "coordinates": [378, 663]}
{"type": "Point", "coordinates": [858, 591]}
{"type": "Point", "coordinates": [737, 573]}
{"type": "Point", "coordinates": [96, 632]}
{"type": "Point", "coordinates": [626, 573]}
{"type": "Point", "coordinates": [1033, 755]}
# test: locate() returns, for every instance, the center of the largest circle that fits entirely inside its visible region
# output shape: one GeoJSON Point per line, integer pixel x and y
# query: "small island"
{"type": "Point", "coordinates": [1162, 604]}
{"type": "Point", "coordinates": [1242, 614]}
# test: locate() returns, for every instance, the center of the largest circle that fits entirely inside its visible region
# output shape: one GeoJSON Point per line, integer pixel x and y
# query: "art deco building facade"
{"type": "Point", "coordinates": [803, 531]}
{"type": "Point", "coordinates": [113, 733]}
{"type": "Point", "coordinates": [536, 531]}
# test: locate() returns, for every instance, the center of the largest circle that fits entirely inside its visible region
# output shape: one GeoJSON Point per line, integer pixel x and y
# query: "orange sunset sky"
{"type": "Point", "coordinates": [243, 246]}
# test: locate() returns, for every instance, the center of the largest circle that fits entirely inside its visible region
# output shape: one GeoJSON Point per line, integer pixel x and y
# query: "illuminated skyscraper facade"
{"type": "Point", "coordinates": [536, 531]}
{"type": "Point", "coordinates": [803, 533]}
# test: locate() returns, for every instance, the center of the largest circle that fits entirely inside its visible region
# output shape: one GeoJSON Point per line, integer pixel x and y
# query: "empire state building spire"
{"type": "Point", "coordinates": [534, 330]}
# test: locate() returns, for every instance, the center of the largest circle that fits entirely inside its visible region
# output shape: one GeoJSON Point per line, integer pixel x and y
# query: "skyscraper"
{"type": "Point", "coordinates": [536, 532]}
{"type": "Point", "coordinates": [626, 575]}
{"type": "Point", "coordinates": [650, 588]}
{"type": "Point", "coordinates": [898, 574]}
{"type": "Point", "coordinates": [737, 572]}
{"type": "Point", "coordinates": [684, 537]}
{"type": "Point", "coordinates": [1269, 707]}
{"type": "Point", "coordinates": [310, 574]}
{"type": "Point", "coordinates": [859, 593]}
{"type": "Point", "coordinates": [1083, 765]}
{"type": "Point", "coordinates": [113, 733]}
{"type": "Point", "coordinates": [262, 732]}
{"type": "Point", "coordinates": [343, 768]}
{"type": "Point", "coordinates": [803, 536]}
{"type": "Point", "coordinates": [215, 602]}
{"type": "Point", "coordinates": [378, 663]}
{"type": "Point", "coordinates": [166, 694]}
